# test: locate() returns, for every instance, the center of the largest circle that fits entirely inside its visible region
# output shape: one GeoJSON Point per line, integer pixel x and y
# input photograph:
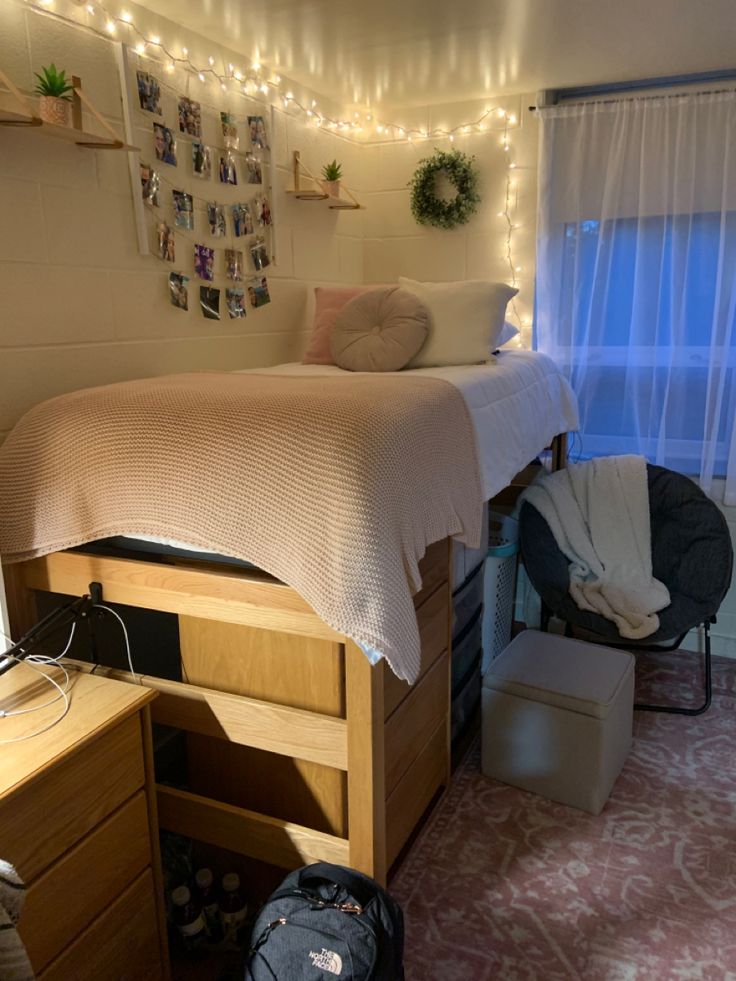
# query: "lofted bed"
{"type": "Point", "coordinates": [301, 743]}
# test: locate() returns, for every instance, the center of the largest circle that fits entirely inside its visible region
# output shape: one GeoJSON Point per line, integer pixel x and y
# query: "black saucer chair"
{"type": "Point", "coordinates": [691, 554]}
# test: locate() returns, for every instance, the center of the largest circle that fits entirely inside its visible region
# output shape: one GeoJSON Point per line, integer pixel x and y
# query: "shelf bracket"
{"type": "Point", "coordinates": [31, 118]}
{"type": "Point", "coordinates": [316, 191]}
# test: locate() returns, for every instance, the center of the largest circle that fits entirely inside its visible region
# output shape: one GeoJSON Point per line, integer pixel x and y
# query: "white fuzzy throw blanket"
{"type": "Point", "coordinates": [599, 514]}
{"type": "Point", "coordinates": [335, 486]}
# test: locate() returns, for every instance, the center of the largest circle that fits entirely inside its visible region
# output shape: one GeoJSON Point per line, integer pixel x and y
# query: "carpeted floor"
{"type": "Point", "coordinates": [505, 885]}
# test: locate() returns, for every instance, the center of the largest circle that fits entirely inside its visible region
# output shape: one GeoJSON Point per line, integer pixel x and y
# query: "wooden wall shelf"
{"type": "Point", "coordinates": [316, 192]}
{"type": "Point", "coordinates": [26, 118]}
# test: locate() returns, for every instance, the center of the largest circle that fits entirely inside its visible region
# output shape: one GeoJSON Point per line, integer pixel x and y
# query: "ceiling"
{"type": "Point", "coordinates": [393, 53]}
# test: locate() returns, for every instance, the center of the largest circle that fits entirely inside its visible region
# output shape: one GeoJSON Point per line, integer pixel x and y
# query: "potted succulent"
{"type": "Point", "coordinates": [55, 104]}
{"type": "Point", "coordinates": [331, 174]}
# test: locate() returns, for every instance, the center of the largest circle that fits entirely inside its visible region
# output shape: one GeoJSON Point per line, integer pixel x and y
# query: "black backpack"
{"type": "Point", "coordinates": [326, 921]}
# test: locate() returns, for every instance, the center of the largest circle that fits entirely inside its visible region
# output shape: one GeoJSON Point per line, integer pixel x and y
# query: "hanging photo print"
{"type": "Point", "coordinates": [254, 169]}
{"type": "Point", "coordinates": [263, 211]}
{"type": "Point", "coordinates": [258, 132]}
{"type": "Point", "coordinates": [165, 236]}
{"type": "Point", "coordinates": [242, 220]}
{"type": "Point", "coordinates": [228, 174]}
{"type": "Point", "coordinates": [164, 143]}
{"type": "Point", "coordinates": [229, 130]}
{"type": "Point", "coordinates": [190, 116]}
{"type": "Point", "coordinates": [258, 292]}
{"type": "Point", "coordinates": [149, 93]}
{"type": "Point", "coordinates": [178, 293]}
{"type": "Point", "coordinates": [259, 255]}
{"type": "Point", "coordinates": [204, 262]}
{"type": "Point", "coordinates": [234, 264]}
{"type": "Point", "coordinates": [209, 301]}
{"type": "Point", "coordinates": [183, 210]}
{"type": "Point", "coordinates": [150, 185]}
{"type": "Point", "coordinates": [201, 160]}
{"type": "Point", "coordinates": [216, 218]}
{"type": "Point", "coordinates": [235, 303]}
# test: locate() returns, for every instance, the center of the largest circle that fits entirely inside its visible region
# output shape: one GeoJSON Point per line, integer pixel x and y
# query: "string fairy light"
{"type": "Point", "coordinates": [257, 78]}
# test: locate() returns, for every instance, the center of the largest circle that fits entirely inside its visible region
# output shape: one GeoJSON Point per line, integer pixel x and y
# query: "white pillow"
{"type": "Point", "coordinates": [466, 319]}
{"type": "Point", "coordinates": [508, 333]}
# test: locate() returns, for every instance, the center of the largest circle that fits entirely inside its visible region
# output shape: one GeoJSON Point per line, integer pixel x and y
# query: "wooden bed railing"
{"type": "Point", "coordinates": [364, 742]}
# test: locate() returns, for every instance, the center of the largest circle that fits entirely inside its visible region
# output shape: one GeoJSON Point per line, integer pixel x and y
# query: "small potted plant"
{"type": "Point", "coordinates": [55, 104]}
{"type": "Point", "coordinates": [331, 174]}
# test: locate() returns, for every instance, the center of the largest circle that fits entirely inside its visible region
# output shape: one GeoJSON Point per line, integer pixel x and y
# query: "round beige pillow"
{"type": "Point", "coordinates": [381, 330]}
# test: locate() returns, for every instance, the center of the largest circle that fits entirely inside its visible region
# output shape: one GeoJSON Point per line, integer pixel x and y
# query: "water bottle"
{"type": "Point", "coordinates": [233, 910]}
{"type": "Point", "coordinates": [188, 919]}
{"type": "Point", "coordinates": [207, 897]}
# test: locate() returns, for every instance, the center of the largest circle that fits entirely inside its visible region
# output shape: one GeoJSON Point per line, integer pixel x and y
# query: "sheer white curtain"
{"type": "Point", "coordinates": [636, 275]}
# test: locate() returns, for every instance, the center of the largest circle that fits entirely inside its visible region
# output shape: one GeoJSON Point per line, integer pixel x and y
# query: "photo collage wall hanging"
{"type": "Point", "coordinates": [204, 185]}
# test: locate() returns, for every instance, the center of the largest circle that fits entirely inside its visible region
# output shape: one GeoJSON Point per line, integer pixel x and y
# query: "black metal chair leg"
{"type": "Point", "coordinates": [544, 617]}
{"type": "Point", "coordinates": [708, 686]}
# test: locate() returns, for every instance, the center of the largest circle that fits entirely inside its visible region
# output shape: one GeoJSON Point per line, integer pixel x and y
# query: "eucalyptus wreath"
{"type": "Point", "coordinates": [459, 169]}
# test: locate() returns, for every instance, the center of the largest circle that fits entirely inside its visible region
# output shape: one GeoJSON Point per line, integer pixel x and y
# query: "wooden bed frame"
{"type": "Point", "coordinates": [298, 749]}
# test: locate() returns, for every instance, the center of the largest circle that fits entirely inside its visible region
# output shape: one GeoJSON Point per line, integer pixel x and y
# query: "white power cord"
{"type": "Point", "coordinates": [34, 661]}
{"type": "Point", "coordinates": [108, 609]}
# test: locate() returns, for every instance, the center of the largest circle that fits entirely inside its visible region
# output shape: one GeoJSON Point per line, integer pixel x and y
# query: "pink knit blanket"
{"type": "Point", "coordinates": [335, 486]}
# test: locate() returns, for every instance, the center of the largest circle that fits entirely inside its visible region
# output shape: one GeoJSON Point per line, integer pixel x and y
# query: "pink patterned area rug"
{"type": "Point", "coordinates": [502, 884]}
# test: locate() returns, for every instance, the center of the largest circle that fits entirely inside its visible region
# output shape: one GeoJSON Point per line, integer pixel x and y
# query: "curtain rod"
{"type": "Point", "coordinates": [553, 97]}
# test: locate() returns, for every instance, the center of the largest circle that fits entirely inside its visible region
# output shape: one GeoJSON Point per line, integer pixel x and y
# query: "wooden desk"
{"type": "Point", "coordinates": [78, 820]}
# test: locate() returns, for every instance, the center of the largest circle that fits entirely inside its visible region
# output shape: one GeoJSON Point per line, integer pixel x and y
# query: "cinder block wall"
{"type": "Point", "coordinates": [78, 305]}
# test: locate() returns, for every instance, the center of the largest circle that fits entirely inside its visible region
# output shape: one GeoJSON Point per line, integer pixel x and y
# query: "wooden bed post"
{"type": "Point", "coordinates": [366, 763]}
{"type": "Point", "coordinates": [21, 603]}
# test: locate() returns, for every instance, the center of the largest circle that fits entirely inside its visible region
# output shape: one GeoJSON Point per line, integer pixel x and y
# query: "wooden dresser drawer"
{"type": "Point", "coordinates": [433, 618]}
{"type": "Point", "coordinates": [85, 881]}
{"type": "Point", "coordinates": [411, 725]}
{"type": "Point", "coordinates": [121, 945]}
{"type": "Point", "coordinates": [51, 814]}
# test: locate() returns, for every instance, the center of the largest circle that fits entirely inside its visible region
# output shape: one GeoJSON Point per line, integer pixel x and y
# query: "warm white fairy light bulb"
{"type": "Point", "coordinates": [211, 60]}
{"type": "Point", "coordinates": [155, 39]}
{"type": "Point", "coordinates": [126, 17]}
{"type": "Point", "coordinates": [201, 77]}
{"type": "Point", "coordinates": [185, 51]}
{"type": "Point", "coordinates": [90, 8]}
{"type": "Point", "coordinates": [140, 48]}
{"type": "Point", "coordinates": [110, 27]}
{"type": "Point", "coordinates": [264, 88]}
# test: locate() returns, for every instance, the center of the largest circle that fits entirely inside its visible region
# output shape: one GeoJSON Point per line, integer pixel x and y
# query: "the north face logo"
{"type": "Point", "coordinates": [328, 960]}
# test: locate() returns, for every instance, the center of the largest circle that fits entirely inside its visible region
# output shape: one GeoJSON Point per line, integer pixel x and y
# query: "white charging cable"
{"type": "Point", "coordinates": [34, 661]}
{"type": "Point", "coordinates": [108, 609]}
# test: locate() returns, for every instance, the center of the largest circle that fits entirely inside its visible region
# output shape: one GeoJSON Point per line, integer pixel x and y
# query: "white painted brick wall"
{"type": "Point", "coordinates": [78, 305]}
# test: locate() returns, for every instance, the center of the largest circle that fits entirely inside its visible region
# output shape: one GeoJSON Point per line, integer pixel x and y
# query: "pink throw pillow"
{"type": "Point", "coordinates": [328, 302]}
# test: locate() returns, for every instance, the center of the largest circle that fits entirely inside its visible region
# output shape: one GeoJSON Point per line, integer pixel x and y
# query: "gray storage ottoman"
{"type": "Point", "coordinates": [557, 718]}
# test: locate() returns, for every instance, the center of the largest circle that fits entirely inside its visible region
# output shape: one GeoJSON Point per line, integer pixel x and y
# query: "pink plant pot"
{"type": "Point", "coordinates": [332, 188]}
{"type": "Point", "coordinates": [56, 111]}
